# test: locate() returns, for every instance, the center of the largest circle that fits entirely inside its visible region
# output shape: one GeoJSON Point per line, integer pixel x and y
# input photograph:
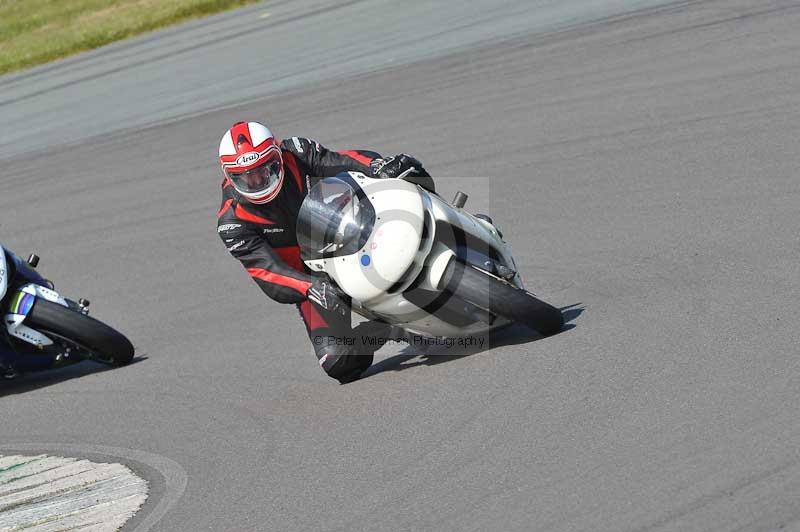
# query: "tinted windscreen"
{"type": "Point", "coordinates": [336, 219]}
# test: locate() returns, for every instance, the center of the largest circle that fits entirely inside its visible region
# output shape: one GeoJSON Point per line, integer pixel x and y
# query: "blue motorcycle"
{"type": "Point", "coordinates": [44, 330]}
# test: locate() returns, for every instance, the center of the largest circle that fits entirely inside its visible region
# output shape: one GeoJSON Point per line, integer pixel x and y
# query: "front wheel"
{"type": "Point", "coordinates": [101, 342]}
{"type": "Point", "coordinates": [501, 298]}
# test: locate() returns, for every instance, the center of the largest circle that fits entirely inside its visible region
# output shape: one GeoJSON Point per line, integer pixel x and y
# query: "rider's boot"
{"type": "Point", "coordinates": [350, 365]}
{"type": "Point", "coordinates": [368, 337]}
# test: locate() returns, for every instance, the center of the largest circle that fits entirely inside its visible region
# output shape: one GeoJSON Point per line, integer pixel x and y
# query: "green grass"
{"type": "Point", "coordinates": [36, 31]}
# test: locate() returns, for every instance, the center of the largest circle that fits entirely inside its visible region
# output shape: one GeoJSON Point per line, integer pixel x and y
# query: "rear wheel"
{"type": "Point", "coordinates": [501, 298]}
{"type": "Point", "coordinates": [99, 341]}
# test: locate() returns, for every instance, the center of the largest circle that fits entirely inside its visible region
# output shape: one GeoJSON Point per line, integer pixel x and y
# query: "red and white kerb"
{"type": "Point", "coordinates": [248, 145]}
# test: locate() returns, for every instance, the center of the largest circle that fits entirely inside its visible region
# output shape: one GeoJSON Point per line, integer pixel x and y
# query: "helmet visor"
{"type": "Point", "coordinates": [261, 179]}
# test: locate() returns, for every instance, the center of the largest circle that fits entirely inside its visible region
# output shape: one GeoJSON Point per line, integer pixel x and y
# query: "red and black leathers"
{"type": "Point", "coordinates": [263, 238]}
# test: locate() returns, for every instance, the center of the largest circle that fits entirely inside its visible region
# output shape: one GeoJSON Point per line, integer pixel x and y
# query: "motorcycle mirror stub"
{"type": "Point", "coordinates": [460, 200]}
{"type": "Point", "coordinates": [33, 260]}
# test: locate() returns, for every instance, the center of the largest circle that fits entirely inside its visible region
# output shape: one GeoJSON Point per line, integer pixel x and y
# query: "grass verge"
{"type": "Point", "coordinates": [33, 32]}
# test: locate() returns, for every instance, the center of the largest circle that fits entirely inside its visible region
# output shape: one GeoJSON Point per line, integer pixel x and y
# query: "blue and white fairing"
{"type": "Point", "coordinates": [3, 273]}
{"type": "Point", "coordinates": [18, 299]}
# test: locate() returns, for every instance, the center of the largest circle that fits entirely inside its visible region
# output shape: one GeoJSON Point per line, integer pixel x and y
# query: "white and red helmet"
{"type": "Point", "coordinates": [251, 161]}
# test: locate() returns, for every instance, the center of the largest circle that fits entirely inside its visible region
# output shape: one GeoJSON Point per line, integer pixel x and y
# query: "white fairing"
{"type": "Point", "coordinates": [44, 293]}
{"type": "Point", "coordinates": [16, 328]}
{"type": "Point", "coordinates": [3, 273]}
{"type": "Point", "coordinates": [15, 322]}
{"type": "Point", "coordinates": [411, 243]}
{"type": "Point", "coordinates": [392, 247]}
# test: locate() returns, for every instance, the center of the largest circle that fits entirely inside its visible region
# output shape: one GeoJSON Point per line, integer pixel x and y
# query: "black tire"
{"type": "Point", "coordinates": [106, 344]}
{"type": "Point", "coordinates": [501, 298]}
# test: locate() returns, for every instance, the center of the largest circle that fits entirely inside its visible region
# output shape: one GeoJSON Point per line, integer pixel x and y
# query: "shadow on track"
{"type": "Point", "coordinates": [511, 335]}
{"type": "Point", "coordinates": [41, 379]}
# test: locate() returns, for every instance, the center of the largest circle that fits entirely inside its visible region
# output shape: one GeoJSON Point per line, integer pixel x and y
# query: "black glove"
{"type": "Point", "coordinates": [328, 296]}
{"type": "Point", "coordinates": [403, 167]}
{"type": "Point", "coordinates": [397, 166]}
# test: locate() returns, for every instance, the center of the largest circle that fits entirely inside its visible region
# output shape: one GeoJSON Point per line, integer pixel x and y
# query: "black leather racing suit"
{"type": "Point", "coordinates": [263, 238]}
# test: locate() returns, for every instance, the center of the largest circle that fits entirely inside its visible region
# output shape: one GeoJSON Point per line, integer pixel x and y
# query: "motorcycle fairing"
{"type": "Point", "coordinates": [385, 250]}
{"type": "Point", "coordinates": [20, 305]}
{"type": "Point", "coordinates": [3, 273]}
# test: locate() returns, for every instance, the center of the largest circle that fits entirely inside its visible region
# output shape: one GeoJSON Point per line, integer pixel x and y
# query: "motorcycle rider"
{"type": "Point", "coordinates": [265, 181]}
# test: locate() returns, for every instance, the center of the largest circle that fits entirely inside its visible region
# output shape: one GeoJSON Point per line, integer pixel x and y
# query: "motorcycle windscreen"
{"type": "Point", "coordinates": [335, 220]}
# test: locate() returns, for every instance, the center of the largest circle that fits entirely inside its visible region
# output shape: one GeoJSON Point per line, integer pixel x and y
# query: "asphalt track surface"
{"type": "Point", "coordinates": [240, 56]}
{"type": "Point", "coordinates": [645, 171]}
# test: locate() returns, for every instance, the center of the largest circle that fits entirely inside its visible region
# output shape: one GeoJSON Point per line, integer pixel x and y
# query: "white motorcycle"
{"type": "Point", "coordinates": [408, 258]}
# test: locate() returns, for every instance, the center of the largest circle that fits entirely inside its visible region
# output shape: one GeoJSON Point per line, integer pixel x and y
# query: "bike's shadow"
{"type": "Point", "coordinates": [413, 356]}
{"type": "Point", "coordinates": [28, 382]}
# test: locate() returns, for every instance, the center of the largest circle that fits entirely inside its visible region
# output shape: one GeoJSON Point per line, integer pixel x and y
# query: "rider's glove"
{"type": "Point", "coordinates": [397, 166]}
{"type": "Point", "coordinates": [328, 296]}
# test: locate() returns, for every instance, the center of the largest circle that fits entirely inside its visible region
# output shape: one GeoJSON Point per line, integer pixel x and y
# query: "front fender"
{"type": "Point", "coordinates": [20, 304]}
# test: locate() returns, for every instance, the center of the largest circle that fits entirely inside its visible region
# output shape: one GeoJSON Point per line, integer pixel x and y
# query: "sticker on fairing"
{"type": "Point", "coordinates": [21, 303]}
